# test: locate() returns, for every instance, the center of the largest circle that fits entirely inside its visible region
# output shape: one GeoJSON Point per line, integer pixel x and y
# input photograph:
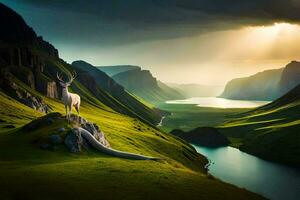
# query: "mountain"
{"type": "Point", "coordinates": [32, 170]}
{"type": "Point", "coordinates": [260, 86]}
{"type": "Point", "coordinates": [270, 132]}
{"type": "Point", "coordinates": [29, 65]}
{"type": "Point", "coordinates": [266, 85]}
{"type": "Point", "coordinates": [109, 85]}
{"type": "Point", "coordinates": [290, 77]}
{"type": "Point", "coordinates": [142, 84]}
{"type": "Point", "coordinates": [197, 90]}
{"type": "Point", "coordinates": [113, 70]}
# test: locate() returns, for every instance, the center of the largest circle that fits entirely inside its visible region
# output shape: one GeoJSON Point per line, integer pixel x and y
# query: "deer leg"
{"type": "Point", "coordinates": [70, 110]}
{"type": "Point", "coordinates": [77, 109]}
{"type": "Point", "coordinates": [66, 111]}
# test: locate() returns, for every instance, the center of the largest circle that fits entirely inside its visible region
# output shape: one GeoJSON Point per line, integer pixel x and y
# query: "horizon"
{"type": "Point", "coordinates": [185, 50]}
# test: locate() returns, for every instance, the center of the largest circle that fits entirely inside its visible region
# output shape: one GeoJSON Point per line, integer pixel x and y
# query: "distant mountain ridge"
{"type": "Point", "coordinates": [142, 83]}
{"type": "Point", "coordinates": [266, 85]}
{"type": "Point", "coordinates": [115, 69]}
{"type": "Point", "coordinates": [197, 90]}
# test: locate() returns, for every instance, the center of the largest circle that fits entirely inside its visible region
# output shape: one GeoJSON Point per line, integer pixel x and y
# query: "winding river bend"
{"type": "Point", "coordinates": [271, 180]}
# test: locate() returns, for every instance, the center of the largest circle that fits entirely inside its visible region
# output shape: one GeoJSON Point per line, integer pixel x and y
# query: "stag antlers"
{"type": "Point", "coordinates": [71, 78]}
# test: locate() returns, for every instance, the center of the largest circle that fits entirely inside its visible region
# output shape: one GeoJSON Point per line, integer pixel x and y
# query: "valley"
{"type": "Point", "coordinates": [34, 167]}
{"type": "Point", "coordinates": [129, 101]}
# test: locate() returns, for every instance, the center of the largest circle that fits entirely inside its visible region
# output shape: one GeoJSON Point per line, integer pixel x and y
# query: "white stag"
{"type": "Point", "coordinates": [69, 99]}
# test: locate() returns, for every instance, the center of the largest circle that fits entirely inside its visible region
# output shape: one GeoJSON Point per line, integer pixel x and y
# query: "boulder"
{"type": "Point", "coordinates": [55, 139]}
{"type": "Point", "coordinates": [75, 142]}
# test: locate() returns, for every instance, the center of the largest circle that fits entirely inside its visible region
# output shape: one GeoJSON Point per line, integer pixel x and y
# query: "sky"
{"type": "Point", "coordinates": [180, 41]}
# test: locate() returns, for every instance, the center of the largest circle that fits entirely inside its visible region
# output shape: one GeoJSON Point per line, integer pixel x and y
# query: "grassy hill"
{"type": "Point", "coordinates": [32, 173]}
{"type": "Point", "coordinates": [270, 132]}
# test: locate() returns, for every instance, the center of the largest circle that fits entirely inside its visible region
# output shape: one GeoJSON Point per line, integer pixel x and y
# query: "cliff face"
{"type": "Point", "coordinates": [22, 54]}
{"type": "Point", "coordinates": [267, 85]}
{"type": "Point", "coordinates": [261, 86]}
{"type": "Point", "coordinates": [136, 79]}
{"type": "Point", "coordinates": [144, 85]}
{"type": "Point", "coordinates": [290, 77]}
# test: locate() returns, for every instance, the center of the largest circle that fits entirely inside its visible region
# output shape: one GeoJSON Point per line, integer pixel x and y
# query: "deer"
{"type": "Point", "coordinates": [69, 99]}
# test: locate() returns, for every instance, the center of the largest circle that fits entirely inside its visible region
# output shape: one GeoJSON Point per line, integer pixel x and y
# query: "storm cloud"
{"type": "Point", "coordinates": [198, 41]}
{"type": "Point", "coordinates": [118, 21]}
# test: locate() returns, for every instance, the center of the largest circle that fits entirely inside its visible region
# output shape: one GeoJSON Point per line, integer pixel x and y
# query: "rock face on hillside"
{"type": "Point", "coordinates": [133, 79]}
{"type": "Point", "coordinates": [144, 85]}
{"type": "Point", "coordinates": [267, 85]}
{"type": "Point", "coordinates": [203, 136]}
{"type": "Point", "coordinates": [8, 84]}
{"type": "Point", "coordinates": [75, 142]}
{"type": "Point", "coordinates": [290, 77]}
{"type": "Point", "coordinates": [261, 86]}
{"type": "Point", "coordinates": [21, 50]}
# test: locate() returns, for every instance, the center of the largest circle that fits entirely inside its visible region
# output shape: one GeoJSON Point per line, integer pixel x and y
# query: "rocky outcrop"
{"type": "Point", "coordinates": [148, 87]}
{"type": "Point", "coordinates": [23, 53]}
{"type": "Point", "coordinates": [85, 135]}
{"type": "Point", "coordinates": [8, 84]}
{"type": "Point", "coordinates": [75, 142]}
{"type": "Point", "coordinates": [290, 77]}
{"type": "Point", "coordinates": [260, 86]}
{"type": "Point", "coordinates": [52, 89]}
{"type": "Point", "coordinates": [266, 85]}
{"type": "Point", "coordinates": [203, 136]}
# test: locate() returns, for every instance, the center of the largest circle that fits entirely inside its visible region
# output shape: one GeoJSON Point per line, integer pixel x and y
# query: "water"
{"type": "Point", "coordinates": [269, 179]}
{"type": "Point", "coordinates": [217, 102]}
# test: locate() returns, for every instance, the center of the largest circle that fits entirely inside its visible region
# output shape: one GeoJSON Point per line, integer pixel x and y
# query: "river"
{"type": "Point", "coordinates": [269, 179]}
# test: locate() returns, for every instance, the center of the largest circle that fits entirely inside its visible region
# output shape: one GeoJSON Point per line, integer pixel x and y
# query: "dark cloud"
{"type": "Point", "coordinates": [120, 21]}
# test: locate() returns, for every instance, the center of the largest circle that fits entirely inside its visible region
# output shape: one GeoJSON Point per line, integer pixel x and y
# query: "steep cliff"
{"type": "Point", "coordinates": [144, 85]}
{"type": "Point", "coordinates": [260, 86]}
{"type": "Point", "coordinates": [290, 77]}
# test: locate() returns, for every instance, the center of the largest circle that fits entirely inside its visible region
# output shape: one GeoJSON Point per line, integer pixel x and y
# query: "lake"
{"type": "Point", "coordinates": [217, 102]}
{"type": "Point", "coordinates": [271, 180]}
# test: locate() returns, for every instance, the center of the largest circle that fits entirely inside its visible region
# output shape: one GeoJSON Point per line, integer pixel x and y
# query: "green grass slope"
{"type": "Point", "coordinates": [188, 117]}
{"type": "Point", "coordinates": [272, 131]}
{"type": "Point", "coordinates": [32, 173]}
